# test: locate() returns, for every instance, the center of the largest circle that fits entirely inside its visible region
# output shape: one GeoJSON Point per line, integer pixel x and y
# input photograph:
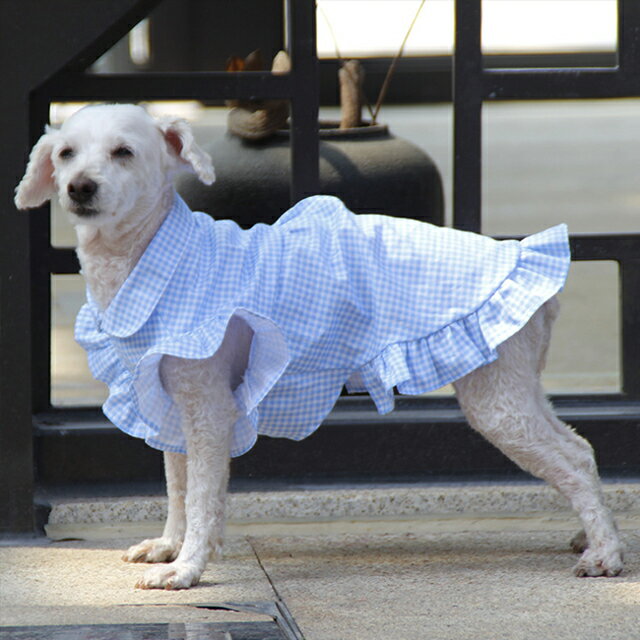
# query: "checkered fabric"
{"type": "Point", "coordinates": [333, 298]}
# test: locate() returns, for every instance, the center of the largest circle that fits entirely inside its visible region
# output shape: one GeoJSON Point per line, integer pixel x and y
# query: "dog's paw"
{"type": "Point", "coordinates": [600, 562]}
{"type": "Point", "coordinates": [177, 575]}
{"type": "Point", "coordinates": [153, 550]}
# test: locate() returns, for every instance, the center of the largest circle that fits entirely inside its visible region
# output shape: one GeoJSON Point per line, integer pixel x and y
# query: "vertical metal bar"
{"type": "Point", "coordinates": [629, 36]}
{"type": "Point", "coordinates": [630, 329]}
{"type": "Point", "coordinates": [467, 119]}
{"type": "Point", "coordinates": [40, 239]}
{"type": "Point", "coordinates": [301, 24]}
{"type": "Point", "coordinates": [16, 442]}
{"type": "Point", "coordinates": [629, 64]}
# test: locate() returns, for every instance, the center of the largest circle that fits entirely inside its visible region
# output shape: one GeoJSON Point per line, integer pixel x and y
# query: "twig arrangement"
{"type": "Point", "coordinates": [357, 76]}
{"type": "Point", "coordinates": [385, 85]}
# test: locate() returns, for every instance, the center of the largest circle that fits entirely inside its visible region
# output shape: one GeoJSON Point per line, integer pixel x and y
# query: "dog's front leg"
{"type": "Point", "coordinates": [167, 547]}
{"type": "Point", "coordinates": [208, 411]}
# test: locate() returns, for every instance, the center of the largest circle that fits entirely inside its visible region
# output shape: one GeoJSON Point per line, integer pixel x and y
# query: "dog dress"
{"type": "Point", "coordinates": [333, 299]}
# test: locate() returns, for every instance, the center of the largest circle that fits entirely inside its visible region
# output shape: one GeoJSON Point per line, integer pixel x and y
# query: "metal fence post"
{"type": "Point", "coordinates": [467, 116]}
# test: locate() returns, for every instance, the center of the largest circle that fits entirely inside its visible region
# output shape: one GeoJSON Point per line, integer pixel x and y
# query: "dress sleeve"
{"type": "Point", "coordinates": [104, 363]}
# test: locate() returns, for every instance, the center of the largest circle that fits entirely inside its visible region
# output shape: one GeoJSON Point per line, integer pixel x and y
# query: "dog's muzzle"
{"type": "Point", "coordinates": [81, 192]}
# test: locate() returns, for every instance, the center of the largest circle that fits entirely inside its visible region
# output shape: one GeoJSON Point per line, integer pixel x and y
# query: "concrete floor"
{"type": "Point", "coordinates": [476, 561]}
{"type": "Point", "coordinates": [483, 579]}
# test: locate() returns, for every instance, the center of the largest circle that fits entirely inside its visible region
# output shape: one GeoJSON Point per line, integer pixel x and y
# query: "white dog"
{"type": "Point", "coordinates": [244, 355]}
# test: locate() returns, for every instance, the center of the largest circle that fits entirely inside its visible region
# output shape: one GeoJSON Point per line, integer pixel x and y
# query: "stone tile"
{"type": "Point", "coordinates": [457, 586]}
{"type": "Point", "coordinates": [86, 582]}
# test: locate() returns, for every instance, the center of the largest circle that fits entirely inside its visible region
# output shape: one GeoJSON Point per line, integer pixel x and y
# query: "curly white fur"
{"type": "Point", "coordinates": [124, 160]}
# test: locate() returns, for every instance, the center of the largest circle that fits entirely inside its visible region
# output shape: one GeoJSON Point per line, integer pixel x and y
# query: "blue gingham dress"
{"type": "Point", "coordinates": [333, 299]}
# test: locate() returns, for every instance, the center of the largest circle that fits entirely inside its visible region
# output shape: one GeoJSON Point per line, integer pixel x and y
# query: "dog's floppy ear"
{"type": "Point", "coordinates": [182, 146]}
{"type": "Point", "coordinates": [37, 186]}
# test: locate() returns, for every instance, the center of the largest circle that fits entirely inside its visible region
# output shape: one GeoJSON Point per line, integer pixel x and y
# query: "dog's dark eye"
{"type": "Point", "coordinates": [122, 152]}
{"type": "Point", "coordinates": [66, 153]}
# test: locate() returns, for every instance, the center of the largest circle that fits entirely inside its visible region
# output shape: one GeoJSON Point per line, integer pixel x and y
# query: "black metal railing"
{"type": "Point", "coordinates": [76, 446]}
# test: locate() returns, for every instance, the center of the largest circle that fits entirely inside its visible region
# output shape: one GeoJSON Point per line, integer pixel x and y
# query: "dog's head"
{"type": "Point", "coordinates": [109, 161]}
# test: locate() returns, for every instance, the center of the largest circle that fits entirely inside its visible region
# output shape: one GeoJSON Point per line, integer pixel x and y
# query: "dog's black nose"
{"type": "Point", "coordinates": [82, 190]}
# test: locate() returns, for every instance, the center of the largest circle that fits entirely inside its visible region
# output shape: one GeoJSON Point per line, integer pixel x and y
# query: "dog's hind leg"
{"type": "Point", "coordinates": [580, 452]}
{"type": "Point", "coordinates": [202, 391]}
{"type": "Point", "coordinates": [505, 402]}
{"type": "Point", "coordinates": [167, 547]}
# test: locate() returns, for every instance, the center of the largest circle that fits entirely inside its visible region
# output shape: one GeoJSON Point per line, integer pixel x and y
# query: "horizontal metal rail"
{"type": "Point", "coordinates": [423, 438]}
{"type": "Point", "coordinates": [558, 84]}
{"type": "Point", "coordinates": [360, 410]}
{"type": "Point", "coordinates": [78, 86]}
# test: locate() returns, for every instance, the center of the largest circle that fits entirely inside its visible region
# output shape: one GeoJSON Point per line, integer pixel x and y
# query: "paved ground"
{"type": "Point", "coordinates": [475, 578]}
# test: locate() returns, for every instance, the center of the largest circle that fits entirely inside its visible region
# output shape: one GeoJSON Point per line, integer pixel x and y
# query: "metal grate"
{"type": "Point", "coordinates": [174, 631]}
{"type": "Point", "coordinates": [282, 626]}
